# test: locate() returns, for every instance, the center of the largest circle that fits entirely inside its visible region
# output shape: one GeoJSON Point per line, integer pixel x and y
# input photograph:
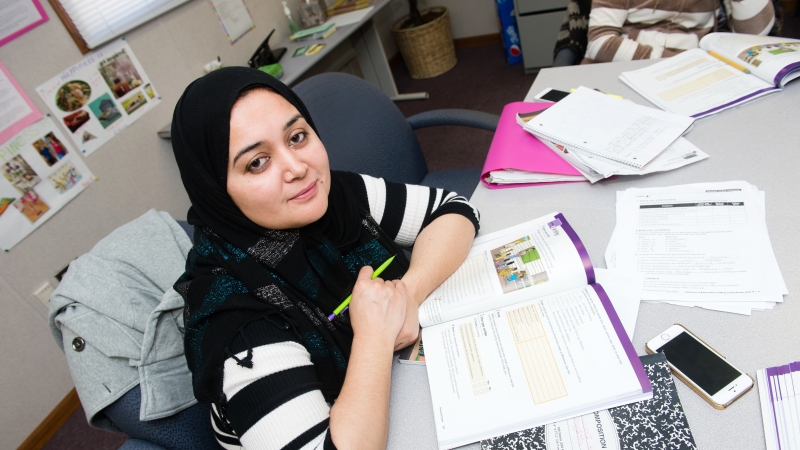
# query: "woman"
{"type": "Point", "coordinates": [280, 242]}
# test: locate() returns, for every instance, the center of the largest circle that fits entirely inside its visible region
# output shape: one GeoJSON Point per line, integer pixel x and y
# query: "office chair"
{"type": "Point", "coordinates": [189, 429]}
{"type": "Point", "coordinates": [364, 132]}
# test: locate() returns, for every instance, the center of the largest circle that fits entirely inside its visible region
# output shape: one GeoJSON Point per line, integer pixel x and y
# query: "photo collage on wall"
{"type": "Point", "coordinates": [100, 96]}
{"type": "Point", "coordinates": [41, 174]}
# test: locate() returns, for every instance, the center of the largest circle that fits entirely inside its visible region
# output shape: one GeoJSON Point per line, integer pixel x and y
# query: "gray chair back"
{"type": "Point", "coordinates": [362, 129]}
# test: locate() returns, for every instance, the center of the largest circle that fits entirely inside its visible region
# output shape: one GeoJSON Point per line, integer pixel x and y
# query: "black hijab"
{"type": "Point", "coordinates": [240, 274]}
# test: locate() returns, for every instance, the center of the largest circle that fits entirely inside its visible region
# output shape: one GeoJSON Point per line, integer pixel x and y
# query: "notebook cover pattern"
{"type": "Point", "coordinates": [658, 424]}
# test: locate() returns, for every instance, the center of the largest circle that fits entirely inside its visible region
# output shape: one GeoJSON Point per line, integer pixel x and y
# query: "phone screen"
{"type": "Point", "coordinates": [554, 95]}
{"type": "Point", "coordinates": [704, 367]}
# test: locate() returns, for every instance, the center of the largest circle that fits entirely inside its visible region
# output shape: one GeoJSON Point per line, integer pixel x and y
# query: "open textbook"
{"type": "Point", "coordinates": [521, 335]}
{"type": "Point", "coordinates": [727, 69]}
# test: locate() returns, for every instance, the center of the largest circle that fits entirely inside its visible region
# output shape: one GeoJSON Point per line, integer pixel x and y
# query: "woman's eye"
{"type": "Point", "coordinates": [257, 164]}
{"type": "Point", "coordinates": [297, 138]}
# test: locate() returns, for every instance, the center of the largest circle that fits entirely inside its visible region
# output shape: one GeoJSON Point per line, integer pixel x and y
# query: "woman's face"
{"type": "Point", "coordinates": [278, 172]}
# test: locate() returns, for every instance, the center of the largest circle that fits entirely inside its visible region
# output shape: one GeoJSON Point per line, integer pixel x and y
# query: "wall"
{"type": "Point", "coordinates": [136, 172]}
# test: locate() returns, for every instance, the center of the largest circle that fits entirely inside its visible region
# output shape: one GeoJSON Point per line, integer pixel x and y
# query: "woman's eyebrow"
{"type": "Point", "coordinates": [259, 143]}
{"type": "Point", "coordinates": [245, 150]}
{"type": "Point", "coordinates": [292, 121]}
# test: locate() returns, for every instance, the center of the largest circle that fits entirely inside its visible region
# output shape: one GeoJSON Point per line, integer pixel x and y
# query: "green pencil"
{"type": "Point", "coordinates": [346, 301]}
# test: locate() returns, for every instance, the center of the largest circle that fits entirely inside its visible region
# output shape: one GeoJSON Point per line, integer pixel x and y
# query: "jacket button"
{"type": "Point", "coordinates": [78, 344]}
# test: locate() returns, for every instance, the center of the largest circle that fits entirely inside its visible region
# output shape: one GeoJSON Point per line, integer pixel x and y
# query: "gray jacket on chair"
{"type": "Point", "coordinates": [120, 324]}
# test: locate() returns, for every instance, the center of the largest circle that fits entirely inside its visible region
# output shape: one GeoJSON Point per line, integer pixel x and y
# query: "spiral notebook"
{"type": "Point", "coordinates": [622, 131]}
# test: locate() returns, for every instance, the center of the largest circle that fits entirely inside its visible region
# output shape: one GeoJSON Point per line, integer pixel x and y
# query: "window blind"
{"type": "Point", "coordinates": [99, 21]}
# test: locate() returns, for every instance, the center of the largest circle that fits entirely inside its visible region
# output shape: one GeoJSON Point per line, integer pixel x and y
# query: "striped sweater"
{"type": "Point", "coordinates": [623, 30]}
{"type": "Point", "coordinates": [277, 403]}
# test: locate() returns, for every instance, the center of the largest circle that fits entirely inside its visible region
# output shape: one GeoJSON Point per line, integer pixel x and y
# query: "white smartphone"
{"type": "Point", "coordinates": [551, 95]}
{"type": "Point", "coordinates": [701, 367]}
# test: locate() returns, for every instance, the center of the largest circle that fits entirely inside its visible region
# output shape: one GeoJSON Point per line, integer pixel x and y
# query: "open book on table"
{"type": "Point", "coordinates": [521, 335]}
{"type": "Point", "coordinates": [727, 69]}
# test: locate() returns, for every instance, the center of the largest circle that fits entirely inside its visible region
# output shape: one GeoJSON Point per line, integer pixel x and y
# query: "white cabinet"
{"type": "Point", "coordinates": [538, 22]}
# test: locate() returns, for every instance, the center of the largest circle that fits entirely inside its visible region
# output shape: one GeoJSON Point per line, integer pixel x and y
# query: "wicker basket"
{"type": "Point", "coordinates": [428, 49]}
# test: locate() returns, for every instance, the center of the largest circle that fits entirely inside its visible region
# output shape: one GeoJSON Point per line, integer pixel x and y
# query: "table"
{"type": "Point", "coordinates": [756, 142]}
{"type": "Point", "coordinates": [367, 49]}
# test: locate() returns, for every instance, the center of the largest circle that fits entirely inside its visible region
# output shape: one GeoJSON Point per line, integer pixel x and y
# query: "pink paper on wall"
{"type": "Point", "coordinates": [514, 148]}
{"type": "Point", "coordinates": [17, 111]}
{"type": "Point", "coordinates": [21, 16]}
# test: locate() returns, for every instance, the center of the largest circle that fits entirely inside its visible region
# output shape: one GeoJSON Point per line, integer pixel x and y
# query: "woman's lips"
{"type": "Point", "coordinates": [307, 192]}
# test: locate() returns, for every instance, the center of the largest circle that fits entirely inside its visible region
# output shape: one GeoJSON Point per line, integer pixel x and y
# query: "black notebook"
{"type": "Point", "coordinates": [658, 423]}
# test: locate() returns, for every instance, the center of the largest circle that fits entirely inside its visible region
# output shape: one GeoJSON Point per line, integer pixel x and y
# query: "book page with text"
{"type": "Point", "coordinates": [531, 363]}
{"type": "Point", "coordinates": [529, 260]}
{"type": "Point", "coordinates": [694, 83]}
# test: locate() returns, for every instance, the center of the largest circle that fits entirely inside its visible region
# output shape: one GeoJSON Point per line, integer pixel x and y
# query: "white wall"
{"type": "Point", "coordinates": [136, 172]}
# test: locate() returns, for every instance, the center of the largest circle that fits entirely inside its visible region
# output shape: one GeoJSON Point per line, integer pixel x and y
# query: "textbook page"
{"type": "Point", "coordinates": [624, 288]}
{"type": "Point", "coordinates": [696, 84]}
{"type": "Point", "coordinates": [703, 242]}
{"type": "Point", "coordinates": [528, 364]}
{"type": "Point", "coordinates": [529, 260]}
{"type": "Point", "coordinates": [775, 60]}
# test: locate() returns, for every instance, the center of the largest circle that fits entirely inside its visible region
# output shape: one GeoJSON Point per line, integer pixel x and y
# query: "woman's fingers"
{"type": "Point", "coordinates": [378, 307]}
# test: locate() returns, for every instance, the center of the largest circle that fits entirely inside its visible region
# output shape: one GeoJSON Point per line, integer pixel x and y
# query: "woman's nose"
{"type": "Point", "coordinates": [294, 167]}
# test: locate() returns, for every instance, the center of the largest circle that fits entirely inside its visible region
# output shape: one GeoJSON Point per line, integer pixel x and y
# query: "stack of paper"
{"type": "Point", "coordinates": [700, 245]}
{"type": "Point", "coordinates": [602, 137]}
{"type": "Point", "coordinates": [779, 392]}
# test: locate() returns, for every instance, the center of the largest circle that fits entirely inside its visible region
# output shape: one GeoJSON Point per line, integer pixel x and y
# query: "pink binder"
{"type": "Point", "coordinates": [514, 148]}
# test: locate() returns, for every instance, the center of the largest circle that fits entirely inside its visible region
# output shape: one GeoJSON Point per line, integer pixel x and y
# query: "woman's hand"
{"type": "Point", "coordinates": [360, 416]}
{"type": "Point", "coordinates": [378, 307]}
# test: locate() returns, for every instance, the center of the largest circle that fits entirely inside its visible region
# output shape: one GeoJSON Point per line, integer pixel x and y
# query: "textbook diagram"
{"type": "Point", "coordinates": [518, 265]}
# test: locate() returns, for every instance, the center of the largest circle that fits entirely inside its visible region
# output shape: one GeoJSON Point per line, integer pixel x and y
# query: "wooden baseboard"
{"type": "Point", "coordinates": [467, 42]}
{"type": "Point", "coordinates": [478, 41]}
{"type": "Point", "coordinates": [42, 434]}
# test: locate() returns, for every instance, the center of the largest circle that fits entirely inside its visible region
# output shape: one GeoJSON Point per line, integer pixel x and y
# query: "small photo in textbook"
{"type": "Point", "coordinates": [518, 265]}
{"type": "Point", "coordinates": [757, 54]}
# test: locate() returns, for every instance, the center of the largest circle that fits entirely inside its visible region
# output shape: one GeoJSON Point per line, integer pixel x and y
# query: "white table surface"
{"type": "Point", "coordinates": [758, 142]}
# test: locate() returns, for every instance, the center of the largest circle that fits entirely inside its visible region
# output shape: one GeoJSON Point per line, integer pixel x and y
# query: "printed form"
{"type": "Point", "coordinates": [697, 243]}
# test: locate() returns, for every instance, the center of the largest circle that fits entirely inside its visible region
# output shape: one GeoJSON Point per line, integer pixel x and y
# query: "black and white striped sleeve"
{"type": "Point", "coordinates": [403, 210]}
{"type": "Point", "coordinates": [276, 404]}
